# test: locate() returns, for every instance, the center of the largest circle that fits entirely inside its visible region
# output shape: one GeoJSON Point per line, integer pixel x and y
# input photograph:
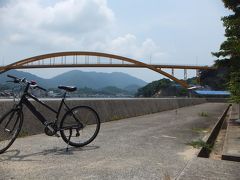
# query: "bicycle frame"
{"type": "Point", "coordinates": [24, 100]}
{"type": "Point", "coordinates": [69, 126]}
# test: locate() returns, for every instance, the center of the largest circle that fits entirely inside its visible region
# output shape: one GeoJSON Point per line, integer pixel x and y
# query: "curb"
{"type": "Point", "coordinates": [204, 152]}
{"type": "Point", "coordinates": [210, 138]}
{"type": "Point", "coordinates": [225, 155]}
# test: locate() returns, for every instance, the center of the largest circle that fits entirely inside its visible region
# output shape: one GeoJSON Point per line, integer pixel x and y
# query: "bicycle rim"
{"type": "Point", "coordinates": [10, 126]}
{"type": "Point", "coordinates": [72, 124]}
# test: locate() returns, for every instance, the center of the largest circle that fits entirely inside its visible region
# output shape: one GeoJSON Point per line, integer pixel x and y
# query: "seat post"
{"type": "Point", "coordinates": [64, 95]}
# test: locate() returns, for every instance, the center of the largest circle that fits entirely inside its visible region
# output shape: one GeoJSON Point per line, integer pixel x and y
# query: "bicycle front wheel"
{"type": "Point", "coordinates": [80, 126]}
{"type": "Point", "coordinates": [10, 126]}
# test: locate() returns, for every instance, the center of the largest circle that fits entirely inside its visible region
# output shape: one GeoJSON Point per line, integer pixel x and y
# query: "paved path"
{"type": "Point", "coordinates": [146, 147]}
{"type": "Point", "coordinates": [209, 169]}
{"type": "Point", "coordinates": [231, 148]}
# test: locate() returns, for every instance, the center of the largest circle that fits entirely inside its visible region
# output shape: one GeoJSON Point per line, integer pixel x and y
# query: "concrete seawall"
{"type": "Point", "coordinates": [108, 109]}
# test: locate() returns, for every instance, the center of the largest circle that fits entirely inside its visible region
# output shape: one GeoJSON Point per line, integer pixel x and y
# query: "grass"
{"type": "Point", "coordinates": [23, 133]}
{"type": "Point", "coordinates": [203, 114]}
{"type": "Point", "coordinates": [199, 144]}
{"type": "Point", "coordinates": [200, 130]}
{"type": "Point", "coordinates": [166, 177]}
{"type": "Point", "coordinates": [115, 118]}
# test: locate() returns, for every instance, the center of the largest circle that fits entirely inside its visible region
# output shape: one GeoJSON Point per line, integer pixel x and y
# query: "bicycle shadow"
{"type": "Point", "coordinates": [15, 155]}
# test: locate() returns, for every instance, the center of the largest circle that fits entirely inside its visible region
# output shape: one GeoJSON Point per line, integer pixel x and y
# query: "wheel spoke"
{"type": "Point", "coordinates": [10, 125]}
{"type": "Point", "coordinates": [89, 125]}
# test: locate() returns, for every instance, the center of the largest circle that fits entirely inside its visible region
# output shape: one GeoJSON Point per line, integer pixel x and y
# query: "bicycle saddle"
{"type": "Point", "coordinates": [68, 88]}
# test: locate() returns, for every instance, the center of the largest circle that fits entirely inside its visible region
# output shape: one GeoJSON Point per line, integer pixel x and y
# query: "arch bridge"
{"type": "Point", "coordinates": [96, 59]}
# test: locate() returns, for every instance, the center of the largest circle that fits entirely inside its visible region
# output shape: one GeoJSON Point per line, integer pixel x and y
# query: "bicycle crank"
{"type": "Point", "coordinates": [50, 129]}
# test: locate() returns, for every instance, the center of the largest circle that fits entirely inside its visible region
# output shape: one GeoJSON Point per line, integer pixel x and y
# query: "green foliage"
{"type": "Point", "coordinates": [229, 53]}
{"type": "Point", "coordinates": [163, 87]}
{"type": "Point", "coordinates": [111, 90]}
{"type": "Point", "coordinates": [23, 133]}
{"type": "Point", "coordinates": [192, 81]}
{"type": "Point", "coordinates": [182, 92]}
{"type": "Point", "coordinates": [230, 48]}
{"type": "Point", "coordinates": [203, 114]}
{"type": "Point", "coordinates": [152, 88]}
{"type": "Point", "coordinates": [95, 80]}
{"type": "Point", "coordinates": [115, 118]}
{"type": "Point", "coordinates": [234, 87]}
{"type": "Point", "coordinates": [231, 4]}
{"type": "Point", "coordinates": [200, 143]}
{"type": "Point", "coordinates": [216, 79]}
{"type": "Point", "coordinates": [87, 90]}
{"type": "Point", "coordinates": [200, 130]}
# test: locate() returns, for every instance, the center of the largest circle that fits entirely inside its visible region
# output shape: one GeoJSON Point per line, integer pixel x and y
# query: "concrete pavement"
{"type": "Point", "coordinates": [209, 169]}
{"type": "Point", "coordinates": [214, 168]}
{"type": "Point", "coordinates": [231, 148]}
{"type": "Point", "coordinates": [146, 147]}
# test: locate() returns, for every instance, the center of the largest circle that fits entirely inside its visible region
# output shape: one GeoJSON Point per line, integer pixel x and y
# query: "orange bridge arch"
{"type": "Point", "coordinates": [22, 64]}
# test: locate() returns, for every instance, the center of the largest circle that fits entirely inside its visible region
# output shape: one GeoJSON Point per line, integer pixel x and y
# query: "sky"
{"type": "Point", "coordinates": [156, 31]}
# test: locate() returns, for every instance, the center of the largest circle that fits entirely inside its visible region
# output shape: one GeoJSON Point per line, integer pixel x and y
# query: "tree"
{"type": "Point", "coordinates": [229, 54]}
{"type": "Point", "coordinates": [234, 87]}
{"type": "Point", "coordinates": [214, 78]}
{"type": "Point", "coordinates": [152, 88]}
{"type": "Point", "coordinates": [162, 87]}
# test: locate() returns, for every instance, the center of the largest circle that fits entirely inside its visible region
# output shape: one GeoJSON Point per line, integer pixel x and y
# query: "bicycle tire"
{"type": "Point", "coordinates": [83, 114]}
{"type": "Point", "coordinates": [10, 124]}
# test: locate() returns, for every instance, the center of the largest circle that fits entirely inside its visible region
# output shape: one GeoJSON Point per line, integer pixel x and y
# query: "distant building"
{"type": "Point", "coordinates": [210, 93]}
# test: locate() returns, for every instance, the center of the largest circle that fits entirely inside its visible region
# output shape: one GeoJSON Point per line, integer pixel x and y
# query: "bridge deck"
{"type": "Point", "coordinates": [163, 66]}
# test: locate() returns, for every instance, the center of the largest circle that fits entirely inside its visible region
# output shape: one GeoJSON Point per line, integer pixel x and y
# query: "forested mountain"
{"type": "Point", "coordinates": [162, 87]}
{"type": "Point", "coordinates": [95, 80]}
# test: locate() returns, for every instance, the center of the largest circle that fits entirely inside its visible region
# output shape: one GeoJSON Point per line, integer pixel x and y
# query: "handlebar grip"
{"type": "Point", "coordinates": [11, 76]}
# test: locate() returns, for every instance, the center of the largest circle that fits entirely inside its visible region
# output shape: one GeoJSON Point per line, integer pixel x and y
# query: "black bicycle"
{"type": "Point", "coordinates": [78, 127]}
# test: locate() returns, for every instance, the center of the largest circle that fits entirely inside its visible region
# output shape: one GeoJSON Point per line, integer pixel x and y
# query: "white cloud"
{"type": "Point", "coordinates": [128, 45]}
{"type": "Point", "coordinates": [34, 27]}
{"type": "Point", "coordinates": [62, 22]}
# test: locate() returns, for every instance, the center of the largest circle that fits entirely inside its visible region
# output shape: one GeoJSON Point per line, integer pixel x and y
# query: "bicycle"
{"type": "Point", "coordinates": [78, 127]}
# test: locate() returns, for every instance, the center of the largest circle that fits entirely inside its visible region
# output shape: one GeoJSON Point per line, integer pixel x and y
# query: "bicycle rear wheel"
{"type": "Point", "coordinates": [10, 126]}
{"type": "Point", "coordinates": [82, 123]}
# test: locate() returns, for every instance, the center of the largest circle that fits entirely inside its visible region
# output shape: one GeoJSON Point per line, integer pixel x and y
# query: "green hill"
{"type": "Point", "coordinates": [94, 80]}
{"type": "Point", "coordinates": [163, 87]}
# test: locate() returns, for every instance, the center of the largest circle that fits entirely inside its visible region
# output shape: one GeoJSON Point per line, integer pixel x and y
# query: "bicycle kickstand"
{"type": "Point", "coordinates": [70, 135]}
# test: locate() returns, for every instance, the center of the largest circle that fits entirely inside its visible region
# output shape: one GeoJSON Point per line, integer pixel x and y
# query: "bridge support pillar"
{"type": "Point", "coordinates": [86, 59]}
{"type": "Point", "coordinates": [198, 76]}
{"type": "Point", "coordinates": [98, 60]}
{"type": "Point", "coordinates": [172, 72]}
{"type": "Point", "coordinates": [185, 74]}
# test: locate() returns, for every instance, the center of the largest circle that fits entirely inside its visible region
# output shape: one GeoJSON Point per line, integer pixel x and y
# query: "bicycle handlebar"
{"type": "Point", "coordinates": [18, 80]}
{"type": "Point", "coordinates": [15, 79]}
{"type": "Point", "coordinates": [11, 76]}
{"type": "Point", "coordinates": [39, 87]}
